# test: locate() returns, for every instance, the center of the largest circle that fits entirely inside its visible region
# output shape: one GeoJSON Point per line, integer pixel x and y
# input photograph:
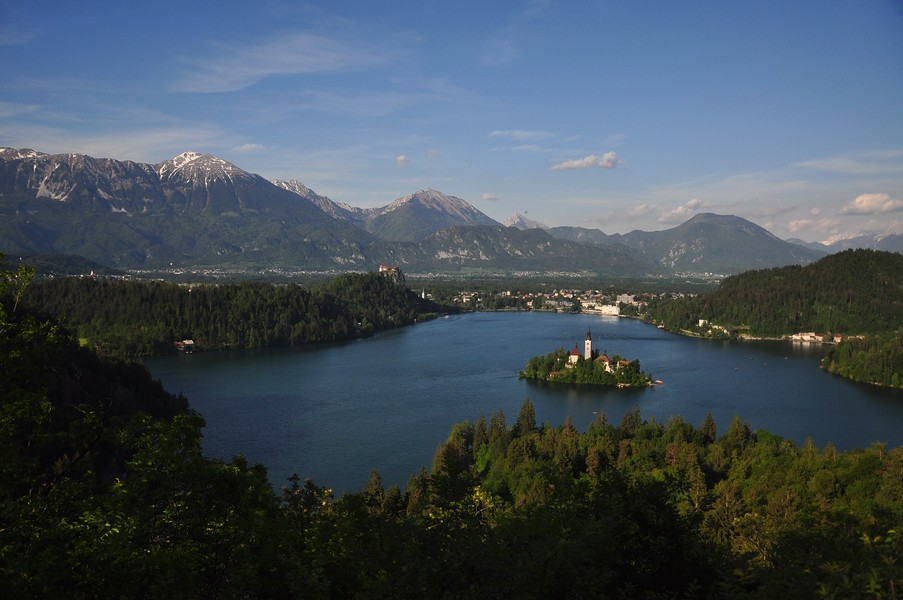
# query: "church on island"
{"type": "Point", "coordinates": [588, 366]}
{"type": "Point", "coordinates": [603, 360]}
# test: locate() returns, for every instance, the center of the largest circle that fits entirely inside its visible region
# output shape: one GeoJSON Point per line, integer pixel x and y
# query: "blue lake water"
{"type": "Point", "coordinates": [334, 412]}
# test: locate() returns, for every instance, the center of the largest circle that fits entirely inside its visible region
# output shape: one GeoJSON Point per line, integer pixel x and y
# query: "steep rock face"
{"type": "Point", "coordinates": [337, 210]}
{"type": "Point", "coordinates": [79, 180]}
{"type": "Point", "coordinates": [194, 208]}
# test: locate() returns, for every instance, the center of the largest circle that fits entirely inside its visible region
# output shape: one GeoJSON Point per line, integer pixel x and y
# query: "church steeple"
{"type": "Point", "coordinates": [588, 345]}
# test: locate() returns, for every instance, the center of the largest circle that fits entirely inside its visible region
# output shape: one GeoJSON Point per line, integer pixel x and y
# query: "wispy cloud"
{"type": "Point", "coordinates": [872, 204]}
{"type": "Point", "coordinates": [798, 225]}
{"type": "Point", "coordinates": [868, 162]}
{"type": "Point", "coordinates": [640, 210]}
{"type": "Point", "coordinates": [10, 36]}
{"type": "Point", "coordinates": [229, 68]}
{"type": "Point", "coordinates": [247, 148]}
{"type": "Point", "coordinates": [609, 160]}
{"type": "Point", "coordinates": [682, 213]}
{"type": "Point", "coordinates": [521, 134]}
{"type": "Point", "coordinates": [402, 161]}
{"type": "Point", "coordinates": [13, 109]}
{"type": "Point", "coordinates": [507, 43]}
{"type": "Point", "coordinates": [487, 197]}
{"type": "Point", "coordinates": [150, 144]}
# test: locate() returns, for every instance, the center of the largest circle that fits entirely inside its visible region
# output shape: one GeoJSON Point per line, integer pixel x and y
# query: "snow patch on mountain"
{"type": "Point", "coordinates": [523, 223]}
{"type": "Point", "coordinates": [195, 167]}
{"type": "Point", "coordinates": [19, 153]}
{"type": "Point", "coordinates": [53, 190]}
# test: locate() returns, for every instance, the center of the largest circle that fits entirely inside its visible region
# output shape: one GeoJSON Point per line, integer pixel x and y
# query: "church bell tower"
{"type": "Point", "coordinates": [588, 345]}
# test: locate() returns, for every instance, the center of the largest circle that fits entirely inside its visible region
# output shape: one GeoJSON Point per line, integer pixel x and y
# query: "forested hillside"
{"type": "Point", "coordinates": [104, 492]}
{"type": "Point", "coordinates": [876, 359]}
{"type": "Point", "coordinates": [853, 292]}
{"type": "Point", "coordinates": [135, 318]}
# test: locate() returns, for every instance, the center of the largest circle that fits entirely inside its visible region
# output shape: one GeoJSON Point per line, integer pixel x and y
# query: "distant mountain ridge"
{"type": "Point", "coordinates": [418, 215]}
{"type": "Point", "coordinates": [337, 210]}
{"type": "Point", "coordinates": [720, 244]}
{"type": "Point", "coordinates": [196, 210]}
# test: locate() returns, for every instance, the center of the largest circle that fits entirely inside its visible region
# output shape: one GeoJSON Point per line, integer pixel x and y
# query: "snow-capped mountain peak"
{"type": "Point", "coordinates": [435, 200]}
{"type": "Point", "coordinates": [19, 153]}
{"type": "Point", "coordinates": [197, 166]}
{"type": "Point", "coordinates": [521, 222]}
{"type": "Point", "coordinates": [185, 158]}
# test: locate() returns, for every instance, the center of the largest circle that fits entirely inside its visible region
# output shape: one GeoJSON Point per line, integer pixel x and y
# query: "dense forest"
{"type": "Point", "coordinates": [105, 492]}
{"type": "Point", "coordinates": [852, 293]}
{"type": "Point", "coordinates": [857, 294]}
{"type": "Point", "coordinates": [876, 359]}
{"type": "Point", "coordinates": [136, 318]}
{"type": "Point", "coordinates": [599, 370]}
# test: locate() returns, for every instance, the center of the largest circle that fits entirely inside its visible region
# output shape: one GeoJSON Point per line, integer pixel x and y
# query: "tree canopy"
{"type": "Point", "coordinates": [105, 492]}
{"type": "Point", "coordinates": [135, 318]}
{"type": "Point", "coordinates": [853, 292]}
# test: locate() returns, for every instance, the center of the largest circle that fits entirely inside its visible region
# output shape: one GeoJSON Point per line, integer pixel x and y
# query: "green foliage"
{"type": "Point", "coordinates": [137, 318]}
{"type": "Point", "coordinates": [104, 488]}
{"type": "Point", "coordinates": [853, 292]}
{"type": "Point", "coordinates": [857, 293]}
{"type": "Point", "coordinates": [673, 508]}
{"type": "Point", "coordinates": [877, 359]}
{"type": "Point", "coordinates": [104, 492]}
{"type": "Point", "coordinates": [556, 367]}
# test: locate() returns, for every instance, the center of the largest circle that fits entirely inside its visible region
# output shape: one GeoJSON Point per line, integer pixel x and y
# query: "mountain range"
{"type": "Point", "coordinates": [199, 211]}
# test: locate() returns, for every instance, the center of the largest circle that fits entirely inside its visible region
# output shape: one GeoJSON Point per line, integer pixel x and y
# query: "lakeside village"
{"type": "Point", "coordinates": [587, 367]}
{"type": "Point", "coordinates": [561, 300]}
{"type": "Point", "coordinates": [595, 302]}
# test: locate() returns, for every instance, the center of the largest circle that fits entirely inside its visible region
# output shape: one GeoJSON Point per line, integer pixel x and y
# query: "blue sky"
{"type": "Point", "coordinates": [617, 116]}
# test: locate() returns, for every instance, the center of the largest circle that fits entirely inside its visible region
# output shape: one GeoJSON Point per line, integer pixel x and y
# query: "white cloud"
{"type": "Point", "coordinates": [871, 204]}
{"type": "Point", "coordinates": [609, 160]}
{"type": "Point", "coordinates": [799, 225]}
{"type": "Point", "coordinates": [246, 148]}
{"type": "Point", "coordinates": [487, 197]}
{"type": "Point", "coordinates": [402, 161]}
{"type": "Point", "coordinates": [521, 134]}
{"type": "Point", "coordinates": [433, 153]}
{"type": "Point", "coordinates": [235, 67]}
{"type": "Point", "coordinates": [641, 210]}
{"type": "Point", "coordinates": [682, 213]}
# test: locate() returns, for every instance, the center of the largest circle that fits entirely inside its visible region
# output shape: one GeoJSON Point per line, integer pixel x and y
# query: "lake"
{"type": "Point", "coordinates": [335, 412]}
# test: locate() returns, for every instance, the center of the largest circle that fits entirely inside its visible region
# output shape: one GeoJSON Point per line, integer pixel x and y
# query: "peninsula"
{"type": "Point", "coordinates": [589, 367]}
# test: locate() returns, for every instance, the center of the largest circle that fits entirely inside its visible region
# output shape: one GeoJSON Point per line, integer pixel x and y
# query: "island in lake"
{"type": "Point", "coordinates": [587, 367]}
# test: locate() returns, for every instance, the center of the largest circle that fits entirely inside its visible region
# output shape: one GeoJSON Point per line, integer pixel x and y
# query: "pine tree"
{"type": "Point", "coordinates": [526, 419]}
